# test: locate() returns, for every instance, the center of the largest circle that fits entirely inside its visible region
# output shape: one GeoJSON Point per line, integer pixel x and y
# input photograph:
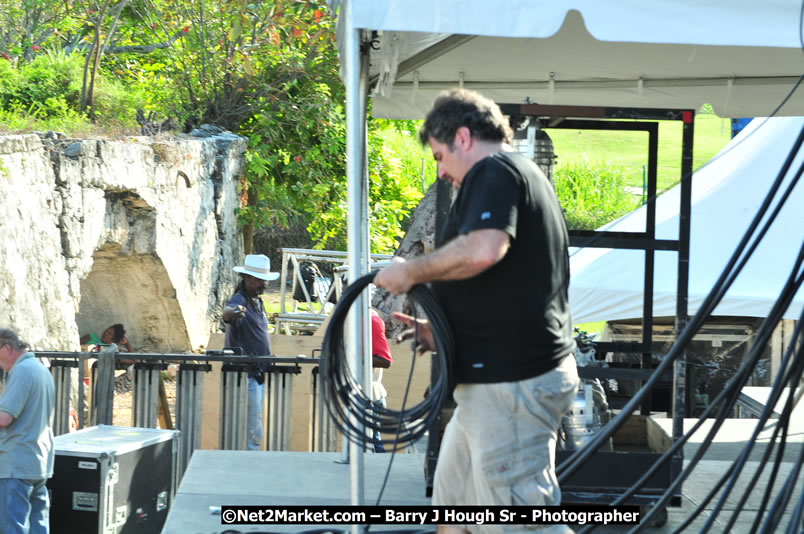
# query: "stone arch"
{"type": "Point", "coordinates": [134, 290]}
{"type": "Point", "coordinates": [128, 282]}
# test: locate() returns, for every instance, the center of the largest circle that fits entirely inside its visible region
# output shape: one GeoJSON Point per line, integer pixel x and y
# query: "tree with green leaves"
{"type": "Point", "coordinates": [266, 70]}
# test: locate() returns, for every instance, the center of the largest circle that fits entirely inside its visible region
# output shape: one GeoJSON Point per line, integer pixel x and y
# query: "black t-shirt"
{"type": "Point", "coordinates": [512, 321]}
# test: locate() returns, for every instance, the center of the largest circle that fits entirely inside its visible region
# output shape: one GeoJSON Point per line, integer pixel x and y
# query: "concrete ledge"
{"type": "Point", "coordinates": [731, 438]}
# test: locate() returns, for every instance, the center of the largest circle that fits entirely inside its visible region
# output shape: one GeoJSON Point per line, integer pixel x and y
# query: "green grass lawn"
{"type": "Point", "coordinates": [629, 150]}
{"type": "Point", "coordinates": [592, 328]}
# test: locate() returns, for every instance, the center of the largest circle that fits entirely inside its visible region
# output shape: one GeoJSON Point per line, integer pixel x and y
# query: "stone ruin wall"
{"type": "Point", "coordinates": [140, 231]}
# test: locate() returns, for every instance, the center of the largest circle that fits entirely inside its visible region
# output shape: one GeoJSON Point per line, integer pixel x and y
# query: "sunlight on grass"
{"type": "Point", "coordinates": [591, 328]}
{"type": "Point", "coordinates": [629, 150]}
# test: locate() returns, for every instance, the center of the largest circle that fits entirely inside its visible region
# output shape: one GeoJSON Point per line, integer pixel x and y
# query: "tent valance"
{"type": "Point", "coordinates": [743, 57]}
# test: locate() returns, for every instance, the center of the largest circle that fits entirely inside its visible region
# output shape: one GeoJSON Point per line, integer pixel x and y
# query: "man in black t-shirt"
{"type": "Point", "coordinates": [502, 279]}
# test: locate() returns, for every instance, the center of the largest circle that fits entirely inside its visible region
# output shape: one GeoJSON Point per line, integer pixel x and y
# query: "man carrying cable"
{"type": "Point", "coordinates": [515, 371]}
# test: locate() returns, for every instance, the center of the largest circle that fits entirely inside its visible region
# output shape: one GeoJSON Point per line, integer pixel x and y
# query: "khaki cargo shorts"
{"type": "Point", "coordinates": [499, 446]}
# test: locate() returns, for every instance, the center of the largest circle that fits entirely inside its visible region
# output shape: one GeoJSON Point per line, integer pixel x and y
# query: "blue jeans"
{"type": "Point", "coordinates": [378, 447]}
{"type": "Point", "coordinates": [24, 506]}
{"type": "Point", "coordinates": [256, 395]}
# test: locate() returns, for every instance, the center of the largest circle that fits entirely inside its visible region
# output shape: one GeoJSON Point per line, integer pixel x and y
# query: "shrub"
{"type": "Point", "coordinates": [45, 94]}
{"type": "Point", "coordinates": [592, 195]}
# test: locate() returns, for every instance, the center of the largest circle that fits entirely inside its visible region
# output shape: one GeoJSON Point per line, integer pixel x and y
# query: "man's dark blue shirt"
{"type": "Point", "coordinates": [250, 332]}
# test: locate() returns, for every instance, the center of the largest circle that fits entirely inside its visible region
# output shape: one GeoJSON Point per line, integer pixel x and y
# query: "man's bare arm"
{"type": "Point", "coordinates": [464, 257]}
{"type": "Point", "coordinates": [5, 419]}
{"type": "Point", "coordinates": [233, 312]}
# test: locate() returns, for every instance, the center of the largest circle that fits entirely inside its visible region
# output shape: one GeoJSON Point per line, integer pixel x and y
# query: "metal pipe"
{"type": "Point", "coordinates": [81, 397]}
{"type": "Point", "coordinates": [650, 258]}
{"type": "Point", "coordinates": [354, 180]}
{"type": "Point", "coordinates": [287, 399]}
{"type": "Point", "coordinates": [212, 356]}
{"type": "Point", "coordinates": [242, 411]}
{"type": "Point", "coordinates": [222, 438]}
{"type": "Point", "coordinates": [544, 85]}
{"type": "Point", "coordinates": [61, 379]}
{"type": "Point", "coordinates": [276, 411]}
{"type": "Point", "coordinates": [327, 254]}
{"type": "Point", "coordinates": [283, 280]}
{"type": "Point", "coordinates": [680, 385]}
{"type": "Point", "coordinates": [364, 300]}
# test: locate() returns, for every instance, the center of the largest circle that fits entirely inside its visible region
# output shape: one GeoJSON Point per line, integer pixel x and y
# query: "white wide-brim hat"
{"type": "Point", "coordinates": [258, 266]}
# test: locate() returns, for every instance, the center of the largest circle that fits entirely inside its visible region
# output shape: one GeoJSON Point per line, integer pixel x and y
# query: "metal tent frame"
{"type": "Point", "coordinates": [426, 46]}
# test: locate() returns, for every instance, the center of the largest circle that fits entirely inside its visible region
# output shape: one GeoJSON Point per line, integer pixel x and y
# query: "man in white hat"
{"type": "Point", "coordinates": [247, 329]}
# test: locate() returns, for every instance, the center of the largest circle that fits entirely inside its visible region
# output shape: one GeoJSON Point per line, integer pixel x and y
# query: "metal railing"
{"type": "Point", "coordinates": [317, 309]}
{"type": "Point", "coordinates": [95, 404]}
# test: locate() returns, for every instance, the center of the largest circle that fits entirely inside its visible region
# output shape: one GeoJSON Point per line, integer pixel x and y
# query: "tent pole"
{"type": "Point", "coordinates": [365, 260]}
{"type": "Point", "coordinates": [680, 382]}
{"type": "Point", "coordinates": [355, 253]}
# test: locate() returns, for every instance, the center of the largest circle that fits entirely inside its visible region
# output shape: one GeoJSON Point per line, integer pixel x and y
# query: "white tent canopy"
{"type": "Point", "coordinates": [606, 284]}
{"type": "Point", "coordinates": [741, 56]}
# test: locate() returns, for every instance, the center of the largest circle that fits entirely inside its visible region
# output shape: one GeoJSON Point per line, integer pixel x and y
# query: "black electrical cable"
{"type": "Point", "coordinates": [574, 461]}
{"type": "Point", "coordinates": [784, 424]}
{"type": "Point", "coordinates": [775, 515]}
{"type": "Point", "coordinates": [768, 450]}
{"type": "Point", "coordinates": [776, 512]}
{"type": "Point", "coordinates": [766, 330]}
{"type": "Point", "coordinates": [798, 512]}
{"type": "Point", "coordinates": [567, 468]}
{"type": "Point", "coordinates": [402, 409]}
{"type": "Point", "coordinates": [351, 408]}
{"type": "Point", "coordinates": [782, 380]}
{"type": "Point", "coordinates": [735, 386]}
{"type": "Point", "coordinates": [733, 473]}
{"type": "Point", "coordinates": [745, 371]}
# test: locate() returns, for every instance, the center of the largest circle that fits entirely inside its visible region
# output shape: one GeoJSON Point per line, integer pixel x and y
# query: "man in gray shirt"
{"type": "Point", "coordinates": [26, 438]}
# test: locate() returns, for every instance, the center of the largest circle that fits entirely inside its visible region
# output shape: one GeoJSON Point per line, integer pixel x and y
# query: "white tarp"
{"type": "Point", "coordinates": [741, 56]}
{"type": "Point", "coordinates": [726, 194]}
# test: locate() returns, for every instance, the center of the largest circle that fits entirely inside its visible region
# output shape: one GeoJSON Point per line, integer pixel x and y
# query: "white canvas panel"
{"type": "Point", "coordinates": [727, 193]}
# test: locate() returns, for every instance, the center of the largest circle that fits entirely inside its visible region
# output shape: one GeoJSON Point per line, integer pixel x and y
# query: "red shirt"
{"type": "Point", "coordinates": [379, 344]}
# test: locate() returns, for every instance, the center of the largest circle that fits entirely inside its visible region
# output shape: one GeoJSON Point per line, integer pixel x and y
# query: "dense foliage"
{"type": "Point", "coordinates": [592, 195]}
{"type": "Point", "coordinates": [266, 70]}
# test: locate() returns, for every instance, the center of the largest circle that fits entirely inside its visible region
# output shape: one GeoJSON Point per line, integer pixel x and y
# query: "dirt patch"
{"type": "Point", "coordinates": [124, 401]}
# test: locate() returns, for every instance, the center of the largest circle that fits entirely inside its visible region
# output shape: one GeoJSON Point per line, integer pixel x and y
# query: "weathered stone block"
{"type": "Point", "coordinates": [101, 231]}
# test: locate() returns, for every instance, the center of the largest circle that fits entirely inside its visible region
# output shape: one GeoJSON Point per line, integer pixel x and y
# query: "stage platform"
{"type": "Point", "coordinates": [215, 478]}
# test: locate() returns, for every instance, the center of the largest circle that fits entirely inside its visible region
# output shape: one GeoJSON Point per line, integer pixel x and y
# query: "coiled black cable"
{"type": "Point", "coordinates": [351, 407]}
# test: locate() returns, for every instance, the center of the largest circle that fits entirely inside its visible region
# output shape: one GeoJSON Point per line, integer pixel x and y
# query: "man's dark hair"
{"type": "Point", "coordinates": [119, 332]}
{"type": "Point", "coordinates": [241, 286]}
{"type": "Point", "coordinates": [455, 108]}
{"type": "Point", "coordinates": [10, 337]}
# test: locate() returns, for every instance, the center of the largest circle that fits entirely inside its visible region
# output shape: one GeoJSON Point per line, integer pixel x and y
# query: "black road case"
{"type": "Point", "coordinates": [112, 480]}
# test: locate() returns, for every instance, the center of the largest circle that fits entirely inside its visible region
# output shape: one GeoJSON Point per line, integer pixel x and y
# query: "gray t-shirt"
{"type": "Point", "coordinates": [26, 445]}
